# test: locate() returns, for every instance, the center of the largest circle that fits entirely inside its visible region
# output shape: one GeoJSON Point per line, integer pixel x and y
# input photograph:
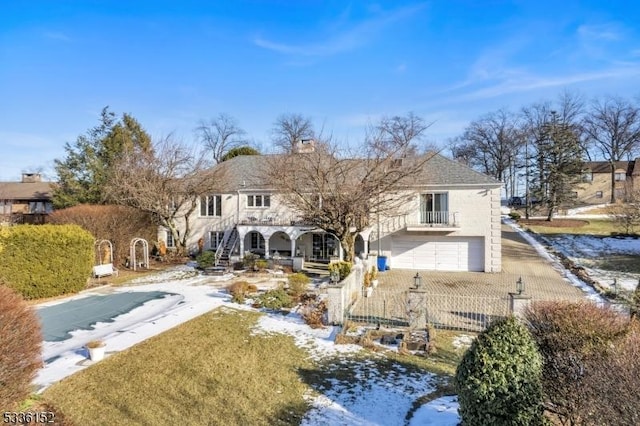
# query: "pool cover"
{"type": "Point", "coordinates": [59, 320]}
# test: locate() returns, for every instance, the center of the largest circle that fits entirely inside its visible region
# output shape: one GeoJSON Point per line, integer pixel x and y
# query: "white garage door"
{"type": "Point", "coordinates": [438, 253]}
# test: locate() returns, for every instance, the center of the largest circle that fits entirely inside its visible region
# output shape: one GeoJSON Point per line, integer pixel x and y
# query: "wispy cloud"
{"type": "Point", "coordinates": [530, 83]}
{"type": "Point", "coordinates": [344, 40]}
{"type": "Point", "coordinates": [56, 35]}
{"type": "Point", "coordinates": [607, 32]}
{"type": "Point", "coordinates": [401, 68]}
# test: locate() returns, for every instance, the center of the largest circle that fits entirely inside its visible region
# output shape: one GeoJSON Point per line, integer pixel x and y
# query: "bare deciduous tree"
{"type": "Point", "coordinates": [492, 144]}
{"type": "Point", "coordinates": [166, 183]}
{"type": "Point", "coordinates": [219, 135]}
{"type": "Point", "coordinates": [288, 129]}
{"type": "Point", "coordinates": [341, 193]}
{"type": "Point", "coordinates": [613, 126]}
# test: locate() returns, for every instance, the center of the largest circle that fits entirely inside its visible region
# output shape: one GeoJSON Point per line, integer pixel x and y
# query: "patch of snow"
{"type": "Point", "coordinates": [439, 412]}
{"type": "Point", "coordinates": [580, 210]}
{"type": "Point", "coordinates": [462, 341]}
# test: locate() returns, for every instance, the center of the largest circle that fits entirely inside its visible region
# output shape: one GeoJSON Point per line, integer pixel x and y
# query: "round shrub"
{"type": "Point", "coordinates": [275, 299]}
{"type": "Point", "coordinates": [343, 268]}
{"type": "Point", "coordinates": [20, 342]}
{"type": "Point", "coordinates": [46, 260]}
{"type": "Point", "coordinates": [206, 259]}
{"type": "Point", "coordinates": [298, 283]}
{"type": "Point", "coordinates": [498, 379]}
{"type": "Point", "coordinates": [573, 340]}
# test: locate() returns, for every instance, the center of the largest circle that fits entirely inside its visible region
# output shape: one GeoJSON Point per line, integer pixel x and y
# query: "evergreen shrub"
{"type": "Point", "coordinates": [46, 260]}
{"type": "Point", "coordinates": [498, 379]}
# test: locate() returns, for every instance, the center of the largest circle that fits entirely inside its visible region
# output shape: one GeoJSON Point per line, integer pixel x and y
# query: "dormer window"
{"type": "Point", "coordinates": [258, 200]}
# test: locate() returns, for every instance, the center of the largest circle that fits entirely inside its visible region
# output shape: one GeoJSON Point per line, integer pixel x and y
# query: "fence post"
{"type": "Point", "coordinates": [417, 308]}
{"type": "Point", "coordinates": [518, 303]}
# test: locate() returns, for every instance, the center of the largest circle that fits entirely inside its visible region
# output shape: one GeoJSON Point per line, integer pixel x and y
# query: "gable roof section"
{"type": "Point", "coordinates": [440, 170]}
{"type": "Point", "coordinates": [605, 166]}
{"type": "Point", "coordinates": [244, 173]}
{"type": "Point", "coordinates": [26, 190]}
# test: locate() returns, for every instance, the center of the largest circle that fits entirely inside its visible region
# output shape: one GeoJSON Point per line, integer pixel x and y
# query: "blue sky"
{"type": "Point", "coordinates": [171, 64]}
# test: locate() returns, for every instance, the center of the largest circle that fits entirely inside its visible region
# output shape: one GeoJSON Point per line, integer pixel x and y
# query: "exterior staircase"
{"type": "Point", "coordinates": [227, 246]}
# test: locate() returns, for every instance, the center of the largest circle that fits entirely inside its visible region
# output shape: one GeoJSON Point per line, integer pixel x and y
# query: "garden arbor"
{"type": "Point", "coordinates": [144, 246]}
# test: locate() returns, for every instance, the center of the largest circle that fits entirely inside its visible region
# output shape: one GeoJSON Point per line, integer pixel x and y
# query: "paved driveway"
{"type": "Point", "coordinates": [466, 300]}
{"type": "Point", "coordinates": [519, 259]}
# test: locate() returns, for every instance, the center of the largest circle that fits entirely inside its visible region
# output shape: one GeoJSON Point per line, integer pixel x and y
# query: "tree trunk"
{"type": "Point", "coordinates": [613, 183]}
{"type": "Point", "coordinates": [347, 242]}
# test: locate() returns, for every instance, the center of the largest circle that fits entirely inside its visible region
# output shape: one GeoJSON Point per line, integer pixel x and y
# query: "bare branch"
{"type": "Point", "coordinates": [219, 135]}
{"type": "Point", "coordinates": [289, 129]}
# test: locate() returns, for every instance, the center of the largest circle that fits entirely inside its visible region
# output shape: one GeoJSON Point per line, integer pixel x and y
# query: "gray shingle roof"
{"type": "Point", "coordinates": [244, 172]}
{"type": "Point", "coordinates": [25, 190]}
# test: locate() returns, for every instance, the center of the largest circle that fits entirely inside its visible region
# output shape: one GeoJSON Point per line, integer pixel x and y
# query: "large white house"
{"type": "Point", "coordinates": [452, 222]}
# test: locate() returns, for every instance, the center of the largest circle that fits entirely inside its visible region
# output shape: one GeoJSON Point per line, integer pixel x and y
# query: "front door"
{"type": "Point", "coordinates": [324, 246]}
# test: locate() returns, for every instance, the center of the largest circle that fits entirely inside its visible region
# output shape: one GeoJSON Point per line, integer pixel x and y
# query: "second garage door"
{"type": "Point", "coordinates": [438, 253]}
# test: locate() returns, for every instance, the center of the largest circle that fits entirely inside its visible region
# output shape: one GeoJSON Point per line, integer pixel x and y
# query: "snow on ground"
{"type": "Point", "coordinates": [439, 412]}
{"type": "Point", "coordinates": [368, 396]}
{"type": "Point", "coordinates": [375, 397]}
{"type": "Point", "coordinates": [590, 251]}
{"type": "Point", "coordinates": [590, 293]}
{"type": "Point", "coordinates": [135, 326]}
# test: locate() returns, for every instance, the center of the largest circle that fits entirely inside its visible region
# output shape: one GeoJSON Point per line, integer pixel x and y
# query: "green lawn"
{"type": "Point", "coordinates": [212, 370]}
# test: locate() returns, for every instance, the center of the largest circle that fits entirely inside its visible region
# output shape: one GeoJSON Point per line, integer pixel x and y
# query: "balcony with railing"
{"type": "Point", "coordinates": [435, 221]}
{"type": "Point", "coordinates": [272, 220]}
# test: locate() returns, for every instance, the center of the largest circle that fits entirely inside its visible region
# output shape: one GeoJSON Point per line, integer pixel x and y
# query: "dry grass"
{"type": "Point", "coordinates": [563, 226]}
{"type": "Point", "coordinates": [210, 370]}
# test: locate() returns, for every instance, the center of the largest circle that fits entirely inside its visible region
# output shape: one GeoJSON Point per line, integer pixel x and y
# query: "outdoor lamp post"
{"type": "Point", "coordinates": [417, 280]}
{"type": "Point", "coordinates": [520, 286]}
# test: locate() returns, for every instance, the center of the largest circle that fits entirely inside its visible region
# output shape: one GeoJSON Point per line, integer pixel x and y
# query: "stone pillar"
{"type": "Point", "coordinates": [416, 308]}
{"type": "Point", "coordinates": [266, 247]}
{"type": "Point", "coordinates": [518, 302]}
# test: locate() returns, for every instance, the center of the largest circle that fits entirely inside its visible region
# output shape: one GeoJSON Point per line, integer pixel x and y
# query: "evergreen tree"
{"type": "Point", "coordinates": [560, 165]}
{"type": "Point", "coordinates": [84, 172]}
{"type": "Point", "coordinates": [241, 150]}
{"type": "Point", "coordinates": [499, 378]}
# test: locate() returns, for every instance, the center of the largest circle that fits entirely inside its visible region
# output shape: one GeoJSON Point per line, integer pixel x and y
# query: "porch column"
{"type": "Point", "coordinates": [241, 238]}
{"type": "Point", "coordinates": [366, 247]}
{"type": "Point", "coordinates": [340, 251]}
{"type": "Point", "coordinates": [266, 247]}
{"type": "Point", "coordinates": [293, 246]}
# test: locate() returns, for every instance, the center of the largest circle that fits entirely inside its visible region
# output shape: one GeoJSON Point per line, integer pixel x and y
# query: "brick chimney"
{"type": "Point", "coordinates": [31, 177]}
{"type": "Point", "coordinates": [305, 146]}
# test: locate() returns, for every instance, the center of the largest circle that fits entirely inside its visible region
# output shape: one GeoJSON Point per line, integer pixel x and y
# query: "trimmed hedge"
{"type": "Point", "coordinates": [45, 260]}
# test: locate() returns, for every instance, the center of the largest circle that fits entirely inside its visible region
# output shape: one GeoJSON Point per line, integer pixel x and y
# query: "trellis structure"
{"type": "Point", "coordinates": [145, 254]}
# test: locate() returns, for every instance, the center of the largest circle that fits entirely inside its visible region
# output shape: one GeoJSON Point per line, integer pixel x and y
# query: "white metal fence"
{"type": "Point", "coordinates": [449, 311]}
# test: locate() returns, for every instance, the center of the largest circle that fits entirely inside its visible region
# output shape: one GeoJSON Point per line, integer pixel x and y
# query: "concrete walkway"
{"type": "Point", "coordinates": [519, 259]}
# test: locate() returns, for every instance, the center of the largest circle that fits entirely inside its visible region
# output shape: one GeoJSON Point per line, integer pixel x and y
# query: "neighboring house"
{"type": "Point", "coordinates": [452, 222]}
{"type": "Point", "coordinates": [27, 201]}
{"type": "Point", "coordinates": [596, 181]}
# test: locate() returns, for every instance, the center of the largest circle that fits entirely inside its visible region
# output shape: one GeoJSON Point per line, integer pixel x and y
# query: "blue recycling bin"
{"type": "Point", "coordinates": [382, 263]}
